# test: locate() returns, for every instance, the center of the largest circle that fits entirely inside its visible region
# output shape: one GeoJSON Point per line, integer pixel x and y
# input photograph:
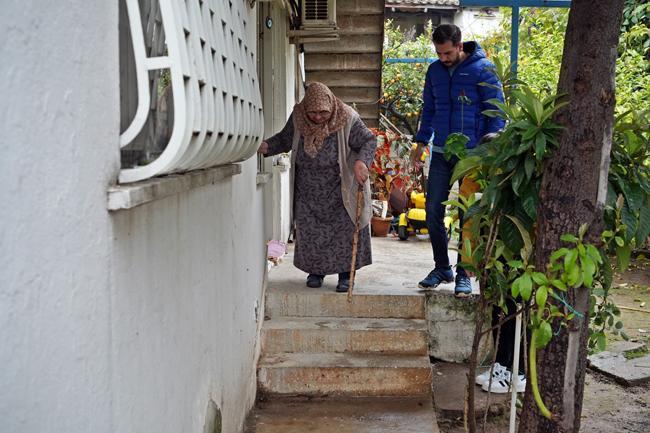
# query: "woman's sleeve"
{"type": "Point", "coordinates": [282, 141]}
{"type": "Point", "coordinates": [363, 142]}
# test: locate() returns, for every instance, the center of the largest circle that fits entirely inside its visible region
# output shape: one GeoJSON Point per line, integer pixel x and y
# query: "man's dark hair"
{"type": "Point", "coordinates": [447, 32]}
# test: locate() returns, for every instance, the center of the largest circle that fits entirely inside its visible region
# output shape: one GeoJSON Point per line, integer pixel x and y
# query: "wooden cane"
{"type": "Point", "coordinates": [355, 241]}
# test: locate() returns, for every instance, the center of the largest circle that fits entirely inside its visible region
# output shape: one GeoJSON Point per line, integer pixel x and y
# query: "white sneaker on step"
{"type": "Point", "coordinates": [498, 372]}
{"type": "Point", "coordinates": [502, 385]}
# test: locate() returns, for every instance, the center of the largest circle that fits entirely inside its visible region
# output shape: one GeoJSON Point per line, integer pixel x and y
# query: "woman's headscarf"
{"type": "Point", "coordinates": [318, 97]}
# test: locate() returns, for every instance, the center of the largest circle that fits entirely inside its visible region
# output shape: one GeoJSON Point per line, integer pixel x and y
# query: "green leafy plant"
{"type": "Point", "coordinates": [628, 195]}
{"type": "Point", "coordinates": [508, 169]}
{"type": "Point", "coordinates": [500, 251]}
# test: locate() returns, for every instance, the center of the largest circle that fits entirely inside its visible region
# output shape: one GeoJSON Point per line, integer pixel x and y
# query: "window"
{"type": "Point", "coordinates": [189, 88]}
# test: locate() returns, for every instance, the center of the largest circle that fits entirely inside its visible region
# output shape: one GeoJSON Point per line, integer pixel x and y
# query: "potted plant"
{"type": "Point", "coordinates": [391, 177]}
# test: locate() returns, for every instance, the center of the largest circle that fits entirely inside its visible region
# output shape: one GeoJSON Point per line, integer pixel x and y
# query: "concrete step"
{"type": "Point", "coordinates": [288, 297]}
{"type": "Point", "coordinates": [349, 374]}
{"type": "Point", "coordinates": [346, 78]}
{"type": "Point", "coordinates": [366, 110]}
{"type": "Point", "coordinates": [371, 123]}
{"type": "Point", "coordinates": [357, 94]}
{"type": "Point", "coordinates": [362, 43]}
{"type": "Point", "coordinates": [360, 7]}
{"type": "Point", "coordinates": [342, 62]}
{"type": "Point", "coordinates": [352, 415]}
{"type": "Point", "coordinates": [334, 334]}
{"type": "Point", "coordinates": [360, 24]}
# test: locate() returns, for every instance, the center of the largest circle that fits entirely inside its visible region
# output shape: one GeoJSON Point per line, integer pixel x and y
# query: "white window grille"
{"type": "Point", "coordinates": [217, 108]}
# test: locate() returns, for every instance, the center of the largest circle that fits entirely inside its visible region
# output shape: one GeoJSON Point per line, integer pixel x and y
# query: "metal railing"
{"type": "Point", "coordinates": [217, 107]}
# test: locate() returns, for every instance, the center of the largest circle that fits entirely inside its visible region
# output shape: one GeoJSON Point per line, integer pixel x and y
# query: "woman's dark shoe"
{"type": "Point", "coordinates": [344, 282]}
{"type": "Point", "coordinates": [314, 280]}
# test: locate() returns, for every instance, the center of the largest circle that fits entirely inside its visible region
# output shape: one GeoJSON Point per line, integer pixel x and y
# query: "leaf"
{"type": "Point", "coordinates": [465, 166]}
{"type": "Point", "coordinates": [573, 277]}
{"type": "Point", "coordinates": [541, 296]}
{"type": "Point", "coordinates": [543, 335]}
{"type": "Point", "coordinates": [467, 250]}
{"type": "Point", "coordinates": [608, 234]}
{"type": "Point", "coordinates": [525, 236]}
{"type": "Point", "coordinates": [455, 203]}
{"type": "Point", "coordinates": [558, 254]}
{"type": "Point", "coordinates": [530, 206]}
{"type": "Point", "coordinates": [633, 195]}
{"type": "Point", "coordinates": [570, 259]}
{"type": "Point", "coordinates": [529, 167]}
{"type": "Point", "coordinates": [588, 270]}
{"type": "Point", "coordinates": [593, 252]}
{"type": "Point", "coordinates": [629, 219]}
{"type": "Point", "coordinates": [498, 252]}
{"type": "Point", "coordinates": [510, 236]}
{"type": "Point", "coordinates": [538, 110]}
{"type": "Point", "coordinates": [523, 147]}
{"type": "Point", "coordinates": [531, 131]}
{"type": "Point", "coordinates": [606, 271]}
{"type": "Point", "coordinates": [493, 113]}
{"type": "Point", "coordinates": [540, 147]}
{"type": "Point", "coordinates": [582, 230]}
{"type": "Point", "coordinates": [539, 278]}
{"type": "Point", "coordinates": [569, 238]}
{"type": "Point", "coordinates": [517, 179]}
{"type": "Point", "coordinates": [474, 210]}
{"type": "Point", "coordinates": [526, 286]}
{"type": "Point", "coordinates": [643, 228]}
{"type": "Point", "coordinates": [623, 257]}
{"type": "Point", "coordinates": [515, 289]}
{"type": "Point", "coordinates": [601, 341]}
{"type": "Point", "coordinates": [552, 110]}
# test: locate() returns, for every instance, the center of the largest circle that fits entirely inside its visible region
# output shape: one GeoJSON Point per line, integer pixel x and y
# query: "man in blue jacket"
{"type": "Point", "coordinates": [454, 100]}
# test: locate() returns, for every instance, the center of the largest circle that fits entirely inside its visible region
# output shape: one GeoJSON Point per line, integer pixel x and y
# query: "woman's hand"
{"type": "Point", "coordinates": [264, 148]}
{"type": "Point", "coordinates": [360, 171]}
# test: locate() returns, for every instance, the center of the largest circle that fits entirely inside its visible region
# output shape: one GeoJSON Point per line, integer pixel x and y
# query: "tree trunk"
{"type": "Point", "coordinates": [573, 192]}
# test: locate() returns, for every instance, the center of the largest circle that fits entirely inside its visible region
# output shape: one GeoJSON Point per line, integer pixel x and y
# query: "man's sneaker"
{"type": "Point", "coordinates": [502, 386]}
{"type": "Point", "coordinates": [436, 277]}
{"type": "Point", "coordinates": [498, 372]}
{"type": "Point", "coordinates": [463, 286]}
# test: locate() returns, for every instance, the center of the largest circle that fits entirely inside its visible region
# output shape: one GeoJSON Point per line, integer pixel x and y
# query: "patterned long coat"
{"type": "Point", "coordinates": [324, 228]}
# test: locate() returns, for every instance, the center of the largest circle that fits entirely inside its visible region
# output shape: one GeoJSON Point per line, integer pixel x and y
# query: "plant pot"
{"type": "Point", "coordinates": [380, 226]}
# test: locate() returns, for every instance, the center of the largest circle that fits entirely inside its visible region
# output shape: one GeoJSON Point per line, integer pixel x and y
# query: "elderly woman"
{"type": "Point", "coordinates": [331, 152]}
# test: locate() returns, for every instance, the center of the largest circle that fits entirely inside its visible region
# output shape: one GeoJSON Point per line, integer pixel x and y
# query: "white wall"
{"type": "Point", "coordinates": [123, 322]}
{"type": "Point", "coordinates": [187, 278]}
{"type": "Point", "coordinates": [58, 153]}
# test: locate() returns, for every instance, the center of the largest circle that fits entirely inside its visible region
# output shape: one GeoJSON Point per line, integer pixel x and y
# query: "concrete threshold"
{"type": "Point", "coordinates": [335, 334]}
{"type": "Point", "coordinates": [343, 415]}
{"type": "Point", "coordinates": [344, 374]}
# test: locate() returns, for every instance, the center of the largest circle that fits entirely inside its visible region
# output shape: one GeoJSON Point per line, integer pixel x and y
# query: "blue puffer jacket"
{"type": "Point", "coordinates": [444, 113]}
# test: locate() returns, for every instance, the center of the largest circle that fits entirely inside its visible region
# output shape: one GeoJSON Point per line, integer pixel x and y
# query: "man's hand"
{"type": "Point", "coordinates": [416, 156]}
{"type": "Point", "coordinates": [360, 171]}
{"type": "Point", "coordinates": [264, 148]}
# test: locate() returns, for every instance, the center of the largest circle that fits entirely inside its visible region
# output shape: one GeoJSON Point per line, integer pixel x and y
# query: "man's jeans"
{"type": "Point", "coordinates": [440, 172]}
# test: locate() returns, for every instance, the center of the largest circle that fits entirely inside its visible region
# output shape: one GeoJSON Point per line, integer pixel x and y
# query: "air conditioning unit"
{"type": "Point", "coordinates": [318, 14]}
